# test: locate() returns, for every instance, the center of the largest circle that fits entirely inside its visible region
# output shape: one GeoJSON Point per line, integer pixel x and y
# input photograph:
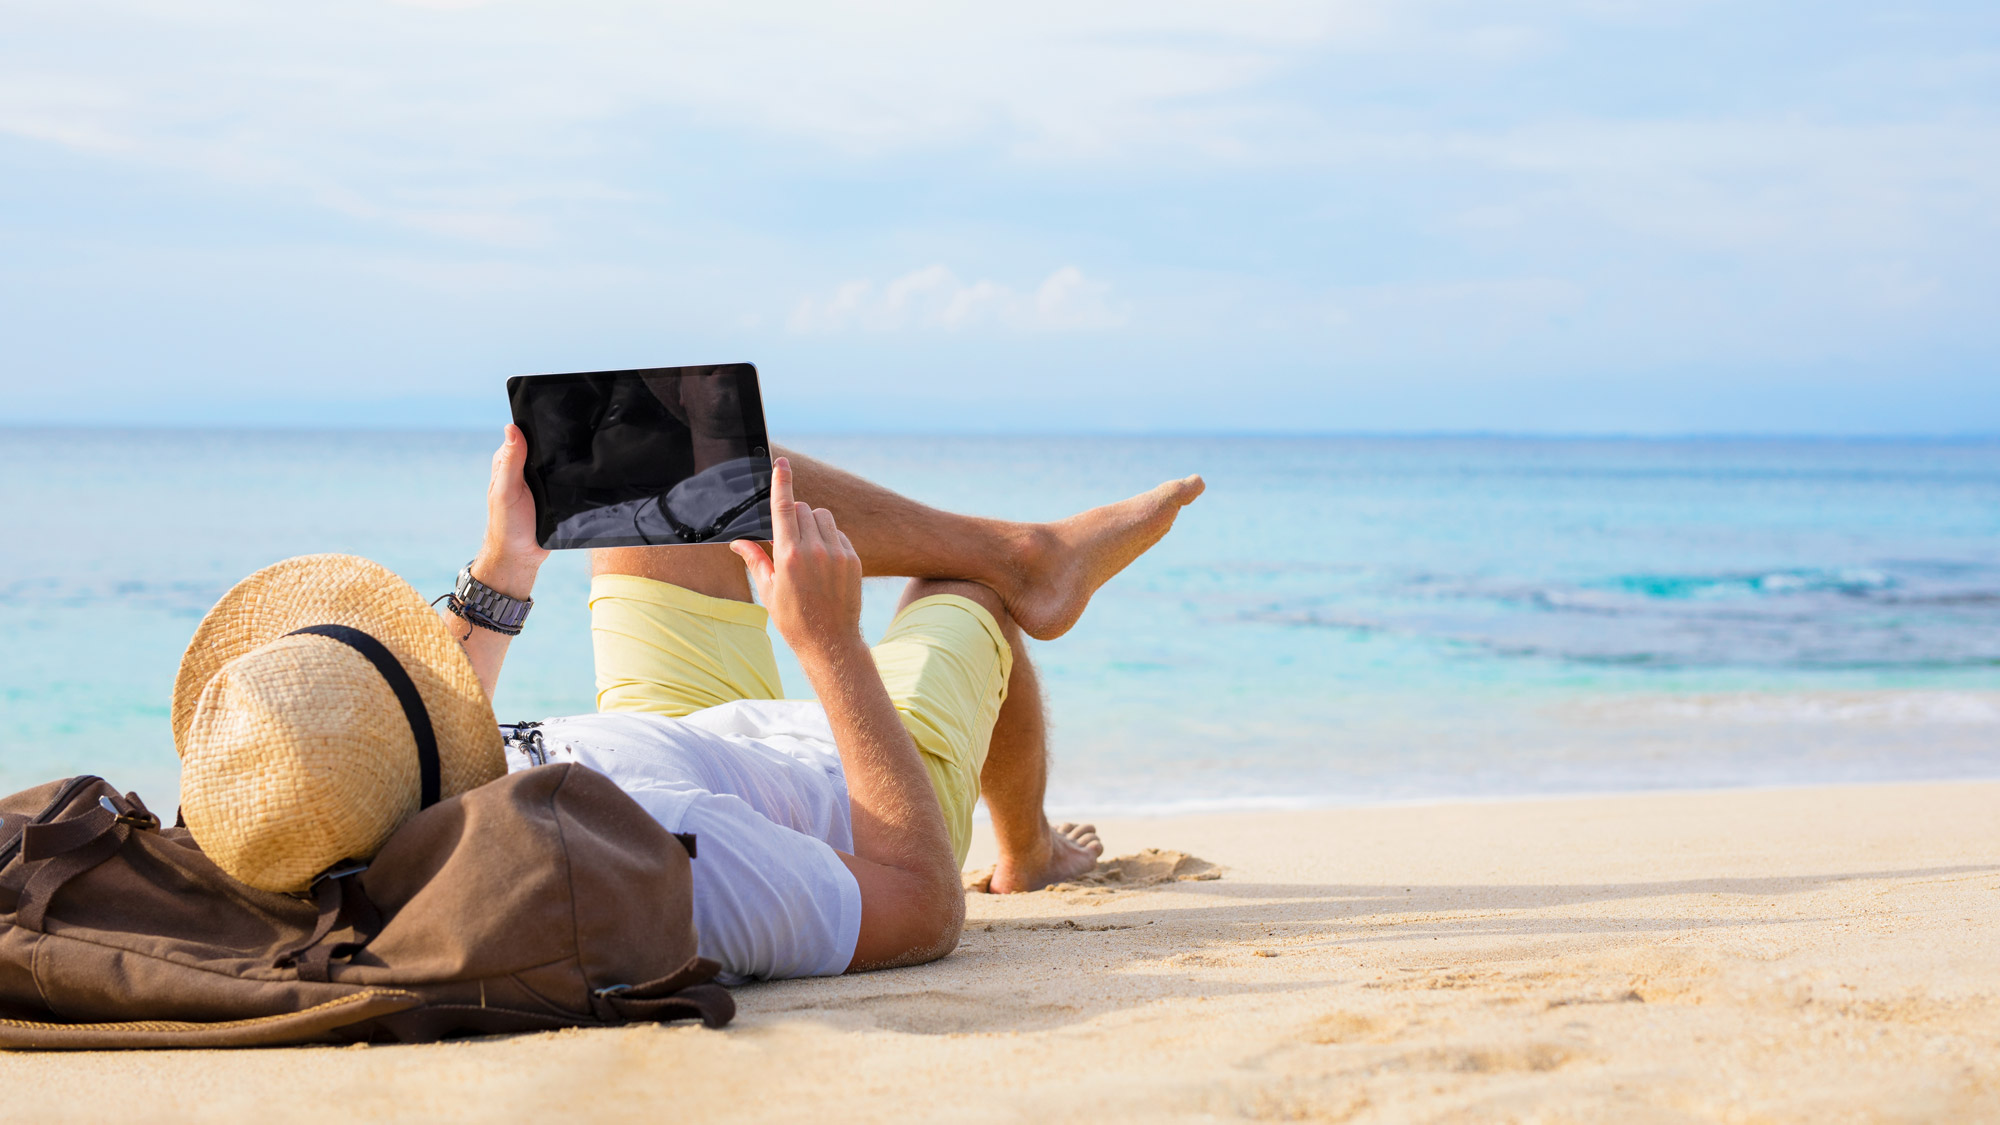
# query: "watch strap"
{"type": "Point", "coordinates": [483, 605]}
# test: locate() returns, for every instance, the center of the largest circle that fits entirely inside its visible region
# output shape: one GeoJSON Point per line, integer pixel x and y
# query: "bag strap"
{"type": "Point", "coordinates": [683, 994]}
{"type": "Point", "coordinates": [343, 904]}
{"type": "Point", "coordinates": [710, 1003]}
{"type": "Point", "coordinates": [47, 841]}
{"type": "Point", "coordinates": [53, 875]}
{"type": "Point", "coordinates": [69, 847]}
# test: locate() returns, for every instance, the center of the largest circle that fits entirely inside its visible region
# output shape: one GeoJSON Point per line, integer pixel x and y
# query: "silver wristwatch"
{"type": "Point", "coordinates": [486, 607]}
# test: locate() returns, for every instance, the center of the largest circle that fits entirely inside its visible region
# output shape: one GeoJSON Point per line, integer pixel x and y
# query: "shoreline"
{"type": "Point", "coordinates": [1256, 806]}
{"type": "Point", "coordinates": [1782, 954]}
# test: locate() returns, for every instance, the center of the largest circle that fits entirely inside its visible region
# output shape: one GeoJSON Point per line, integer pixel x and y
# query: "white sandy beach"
{"type": "Point", "coordinates": [1817, 955]}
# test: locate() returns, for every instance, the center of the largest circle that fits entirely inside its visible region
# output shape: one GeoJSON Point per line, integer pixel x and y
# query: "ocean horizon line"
{"type": "Point", "coordinates": [1746, 437]}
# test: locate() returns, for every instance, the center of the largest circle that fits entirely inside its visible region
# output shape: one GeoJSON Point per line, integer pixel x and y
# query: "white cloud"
{"type": "Point", "coordinates": [935, 299]}
{"type": "Point", "coordinates": [1317, 178]}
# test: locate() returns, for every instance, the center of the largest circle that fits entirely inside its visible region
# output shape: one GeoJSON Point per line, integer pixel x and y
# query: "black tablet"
{"type": "Point", "coordinates": [656, 457]}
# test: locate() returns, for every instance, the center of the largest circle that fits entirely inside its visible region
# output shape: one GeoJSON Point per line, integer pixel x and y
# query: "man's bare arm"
{"type": "Point", "coordinates": [911, 904]}
{"type": "Point", "coordinates": [509, 558]}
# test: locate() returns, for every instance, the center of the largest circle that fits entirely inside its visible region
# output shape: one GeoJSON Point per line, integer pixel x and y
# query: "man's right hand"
{"type": "Point", "coordinates": [912, 907]}
{"type": "Point", "coordinates": [811, 581]}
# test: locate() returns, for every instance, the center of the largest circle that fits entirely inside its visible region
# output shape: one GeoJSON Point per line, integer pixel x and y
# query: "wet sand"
{"type": "Point", "coordinates": [1796, 955]}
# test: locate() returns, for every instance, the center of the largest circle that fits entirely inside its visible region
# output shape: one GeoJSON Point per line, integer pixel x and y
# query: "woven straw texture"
{"type": "Point", "coordinates": [294, 752]}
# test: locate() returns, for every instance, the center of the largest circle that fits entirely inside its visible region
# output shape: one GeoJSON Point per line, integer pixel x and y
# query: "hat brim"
{"type": "Point", "coordinates": [351, 591]}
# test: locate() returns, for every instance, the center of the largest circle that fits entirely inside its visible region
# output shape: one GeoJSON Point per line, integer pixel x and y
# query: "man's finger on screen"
{"type": "Point", "coordinates": [784, 519]}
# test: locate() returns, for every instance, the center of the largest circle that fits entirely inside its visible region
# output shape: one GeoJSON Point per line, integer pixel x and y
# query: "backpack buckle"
{"type": "Point", "coordinates": [340, 872]}
{"type": "Point", "coordinates": [130, 820]}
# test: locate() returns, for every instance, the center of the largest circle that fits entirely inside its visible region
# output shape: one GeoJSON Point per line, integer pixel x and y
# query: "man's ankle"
{"type": "Point", "coordinates": [1028, 849]}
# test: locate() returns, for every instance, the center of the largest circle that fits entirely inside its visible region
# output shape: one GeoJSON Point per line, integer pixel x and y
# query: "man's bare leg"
{"type": "Point", "coordinates": [1044, 573]}
{"type": "Point", "coordinates": [1033, 853]}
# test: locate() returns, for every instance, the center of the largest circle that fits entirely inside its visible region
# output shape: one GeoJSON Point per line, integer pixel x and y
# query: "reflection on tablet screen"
{"type": "Point", "coordinates": [664, 456]}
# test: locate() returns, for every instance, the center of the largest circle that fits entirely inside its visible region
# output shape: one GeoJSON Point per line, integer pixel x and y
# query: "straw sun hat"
{"type": "Point", "coordinates": [301, 749]}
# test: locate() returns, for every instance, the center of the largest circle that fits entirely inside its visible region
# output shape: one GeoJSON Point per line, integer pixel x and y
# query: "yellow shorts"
{"type": "Point", "coordinates": [669, 651]}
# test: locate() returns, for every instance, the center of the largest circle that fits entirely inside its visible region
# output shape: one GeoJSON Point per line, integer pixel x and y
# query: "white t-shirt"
{"type": "Point", "coordinates": [759, 785]}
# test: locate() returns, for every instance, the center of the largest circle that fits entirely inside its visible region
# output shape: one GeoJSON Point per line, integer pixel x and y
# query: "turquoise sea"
{"type": "Point", "coordinates": [1340, 620]}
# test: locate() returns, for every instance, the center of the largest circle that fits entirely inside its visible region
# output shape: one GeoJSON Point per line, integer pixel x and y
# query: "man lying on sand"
{"type": "Point", "coordinates": [830, 833]}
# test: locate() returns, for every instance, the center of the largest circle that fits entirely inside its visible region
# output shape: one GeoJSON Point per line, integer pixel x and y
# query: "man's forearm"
{"type": "Point", "coordinates": [897, 821]}
{"type": "Point", "coordinates": [486, 649]}
{"type": "Point", "coordinates": [810, 581]}
{"type": "Point", "coordinates": [507, 561]}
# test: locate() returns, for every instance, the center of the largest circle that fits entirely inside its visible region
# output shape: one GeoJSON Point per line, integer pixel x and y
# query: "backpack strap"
{"type": "Point", "coordinates": [41, 841]}
{"type": "Point", "coordinates": [710, 1003]}
{"type": "Point", "coordinates": [47, 841]}
{"type": "Point", "coordinates": [343, 904]}
{"type": "Point", "coordinates": [681, 995]}
{"type": "Point", "coordinates": [70, 847]}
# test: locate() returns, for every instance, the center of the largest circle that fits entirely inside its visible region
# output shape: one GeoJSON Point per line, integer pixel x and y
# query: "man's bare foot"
{"type": "Point", "coordinates": [1072, 851]}
{"type": "Point", "coordinates": [1060, 565]}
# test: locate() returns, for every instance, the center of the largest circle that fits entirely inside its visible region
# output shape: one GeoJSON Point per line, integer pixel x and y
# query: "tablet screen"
{"type": "Point", "coordinates": [668, 455]}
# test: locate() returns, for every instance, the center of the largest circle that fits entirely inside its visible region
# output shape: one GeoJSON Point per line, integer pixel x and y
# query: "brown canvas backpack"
{"type": "Point", "coordinates": [545, 899]}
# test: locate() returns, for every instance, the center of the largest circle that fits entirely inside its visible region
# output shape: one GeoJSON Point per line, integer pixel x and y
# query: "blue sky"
{"type": "Point", "coordinates": [1588, 216]}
